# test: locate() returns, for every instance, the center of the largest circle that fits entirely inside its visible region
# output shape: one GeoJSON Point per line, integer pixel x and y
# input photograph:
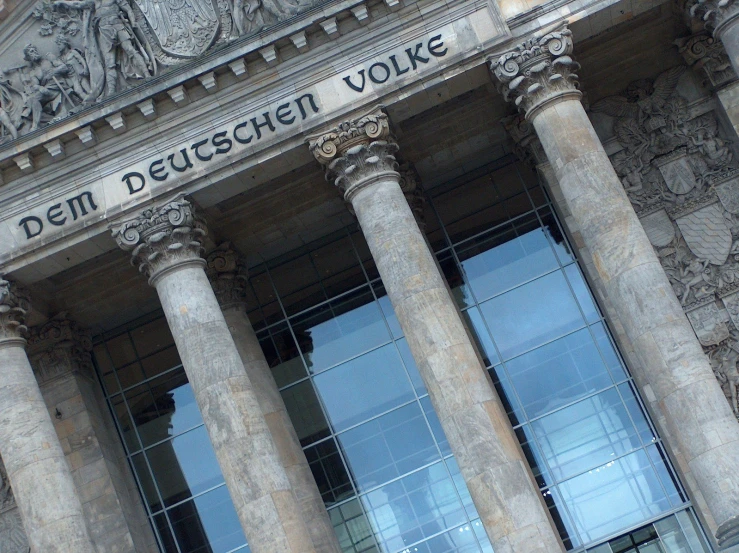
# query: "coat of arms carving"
{"type": "Point", "coordinates": [659, 228]}
{"type": "Point", "coordinates": [707, 234]}
{"type": "Point", "coordinates": [707, 324]}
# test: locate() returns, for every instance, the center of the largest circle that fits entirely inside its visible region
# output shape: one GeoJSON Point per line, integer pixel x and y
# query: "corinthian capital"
{"type": "Point", "coordinates": [14, 304]}
{"type": "Point", "coordinates": [59, 347]}
{"type": "Point", "coordinates": [355, 150]}
{"type": "Point", "coordinates": [538, 71]}
{"type": "Point", "coordinates": [163, 237]}
{"type": "Point", "coordinates": [228, 276]}
{"type": "Point", "coordinates": [715, 14]}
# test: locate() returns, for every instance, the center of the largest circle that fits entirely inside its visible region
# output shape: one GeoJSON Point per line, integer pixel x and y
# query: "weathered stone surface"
{"type": "Point", "coordinates": [60, 355]}
{"type": "Point", "coordinates": [166, 245]}
{"type": "Point", "coordinates": [33, 457]}
{"type": "Point", "coordinates": [672, 361]}
{"type": "Point", "coordinates": [228, 275]}
{"type": "Point", "coordinates": [360, 157]}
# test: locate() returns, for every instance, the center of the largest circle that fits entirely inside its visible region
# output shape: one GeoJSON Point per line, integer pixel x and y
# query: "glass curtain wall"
{"type": "Point", "coordinates": [363, 416]}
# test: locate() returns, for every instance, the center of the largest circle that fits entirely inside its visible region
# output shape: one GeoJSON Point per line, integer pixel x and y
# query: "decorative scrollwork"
{"type": "Point", "coordinates": [228, 274]}
{"type": "Point", "coordinates": [163, 236]}
{"type": "Point", "coordinates": [537, 71]}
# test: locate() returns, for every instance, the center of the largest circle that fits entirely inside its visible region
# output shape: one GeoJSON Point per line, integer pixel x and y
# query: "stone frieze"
{"type": "Point", "coordinates": [80, 52]}
{"type": "Point", "coordinates": [683, 181]}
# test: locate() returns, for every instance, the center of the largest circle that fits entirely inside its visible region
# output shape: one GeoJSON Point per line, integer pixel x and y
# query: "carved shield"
{"type": "Point", "coordinates": [707, 324]}
{"type": "Point", "coordinates": [731, 303]}
{"type": "Point", "coordinates": [728, 193]}
{"type": "Point", "coordinates": [183, 28]}
{"type": "Point", "coordinates": [659, 228]}
{"type": "Point", "coordinates": [707, 234]}
{"type": "Point", "coordinates": [678, 175]}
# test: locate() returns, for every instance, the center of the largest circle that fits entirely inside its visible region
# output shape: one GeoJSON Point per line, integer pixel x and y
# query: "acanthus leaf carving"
{"type": "Point", "coordinates": [538, 70]}
{"type": "Point", "coordinates": [14, 305]}
{"type": "Point", "coordinates": [355, 150]}
{"type": "Point", "coordinates": [163, 236]}
{"type": "Point", "coordinates": [228, 274]}
{"type": "Point", "coordinates": [703, 52]}
{"type": "Point", "coordinates": [59, 347]}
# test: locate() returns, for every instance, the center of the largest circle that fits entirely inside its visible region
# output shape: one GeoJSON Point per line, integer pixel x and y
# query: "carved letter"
{"type": "Point", "coordinates": [285, 118]}
{"type": "Point", "coordinates": [131, 188]}
{"type": "Point", "coordinates": [414, 57]}
{"type": "Point", "coordinates": [348, 81]}
{"type": "Point", "coordinates": [313, 105]}
{"type": "Point", "coordinates": [433, 48]}
{"type": "Point", "coordinates": [223, 145]}
{"type": "Point", "coordinates": [384, 67]}
{"type": "Point", "coordinates": [55, 211]}
{"type": "Point", "coordinates": [237, 128]}
{"type": "Point", "coordinates": [81, 204]}
{"type": "Point", "coordinates": [258, 126]}
{"type": "Point", "coordinates": [24, 223]}
{"type": "Point", "coordinates": [185, 157]}
{"type": "Point", "coordinates": [398, 71]}
{"type": "Point", "coordinates": [156, 172]}
{"type": "Point", "coordinates": [196, 148]}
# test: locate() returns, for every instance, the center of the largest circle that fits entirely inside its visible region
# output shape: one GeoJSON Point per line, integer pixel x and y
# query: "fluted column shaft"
{"type": "Point", "coordinates": [166, 246]}
{"type": "Point", "coordinates": [539, 76]}
{"type": "Point", "coordinates": [39, 475]}
{"type": "Point", "coordinates": [228, 274]}
{"type": "Point", "coordinates": [359, 155]}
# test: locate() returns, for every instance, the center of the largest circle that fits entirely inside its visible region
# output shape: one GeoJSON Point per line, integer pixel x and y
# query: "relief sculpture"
{"type": "Point", "coordinates": [90, 50]}
{"type": "Point", "coordinates": [683, 182]}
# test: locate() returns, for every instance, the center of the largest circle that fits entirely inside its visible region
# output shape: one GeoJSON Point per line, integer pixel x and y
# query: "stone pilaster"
{"type": "Point", "coordinates": [359, 156]}
{"type": "Point", "coordinates": [166, 245]}
{"type": "Point", "coordinates": [538, 76]}
{"type": "Point", "coordinates": [228, 275]}
{"type": "Point", "coordinates": [33, 456]}
{"type": "Point", "coordinates": [59, 352]}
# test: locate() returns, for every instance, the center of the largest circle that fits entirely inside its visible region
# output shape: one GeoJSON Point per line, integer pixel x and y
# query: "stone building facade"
{"type": "Point", "coordinates": [382, 276]}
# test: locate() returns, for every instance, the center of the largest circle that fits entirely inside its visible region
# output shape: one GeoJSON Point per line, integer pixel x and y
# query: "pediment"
{"type": "Point", "coordinates": [60, 57]}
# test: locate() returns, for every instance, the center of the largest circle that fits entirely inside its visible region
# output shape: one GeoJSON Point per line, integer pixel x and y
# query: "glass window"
{"type": "Point", "coordinates": [532, 314]}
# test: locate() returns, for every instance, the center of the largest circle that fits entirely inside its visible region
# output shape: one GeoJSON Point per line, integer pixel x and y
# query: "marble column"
{"type": "Point", "coordinates": [539, 78]}
{"type": "Point", "coordinates": [37, 469]}
{"type": "Point", "coordinates": [359, 155]}
{"type": "Point", "coordinates": [228, 275]}
{"type": "Point", "coordinates": [166, 245]}
{"type": "Point", "coordinates": [60, 354]}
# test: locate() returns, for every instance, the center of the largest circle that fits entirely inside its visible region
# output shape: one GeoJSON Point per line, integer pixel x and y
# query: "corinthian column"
{"type": "Point", "coordinates": [38, 472]}
{"type": "Point", "coordinates": [228, 275]}
{"type": "Point", "coordinates": [166, 245]}
{"type": "Point", "coordinates": [721, 18]}
{"type": "Point", "coordinates": [539, 78]}
{"type": "Point", "coordinates": [360, 158]}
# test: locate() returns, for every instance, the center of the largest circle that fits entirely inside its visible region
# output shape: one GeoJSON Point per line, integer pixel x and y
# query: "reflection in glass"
{"type": "Point", "coordinates": [388, 446]}
{"type": "Point", "coordinates": [614, 496]}
{"type": "Point", "coordinates": [507, 259]}
{"type": "Point", "coordinates": [364, 387]}
{"type": "Point", "coordinates": [558, 373]}
{"type": "Point", "coordinates": [207, 523]}
{"type": "Point", "coordinates": [532, 314]}
{"type": "Point", "coordinates": [414, 508]}
{"type": "Point", "coordinates": [329, 472]}
{"type": "Point", "coordinates": [184, 466]}
{"type": "Point", "coordinates": [340, 329]}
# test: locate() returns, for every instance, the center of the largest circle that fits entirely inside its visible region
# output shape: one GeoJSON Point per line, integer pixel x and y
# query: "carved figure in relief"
{"type": "Point", "coordinates": [11, 101]}
{"type": "Point", "coordinates": [724, 361]}
{"type": "Point", "coordinates": [250, 16]}
{"type": "Point", "coordinates": [116, 51]}
{"type": "Point", "coordinates": [38, 82]}
{"type": "Point", "coordinates": [77, 75]}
